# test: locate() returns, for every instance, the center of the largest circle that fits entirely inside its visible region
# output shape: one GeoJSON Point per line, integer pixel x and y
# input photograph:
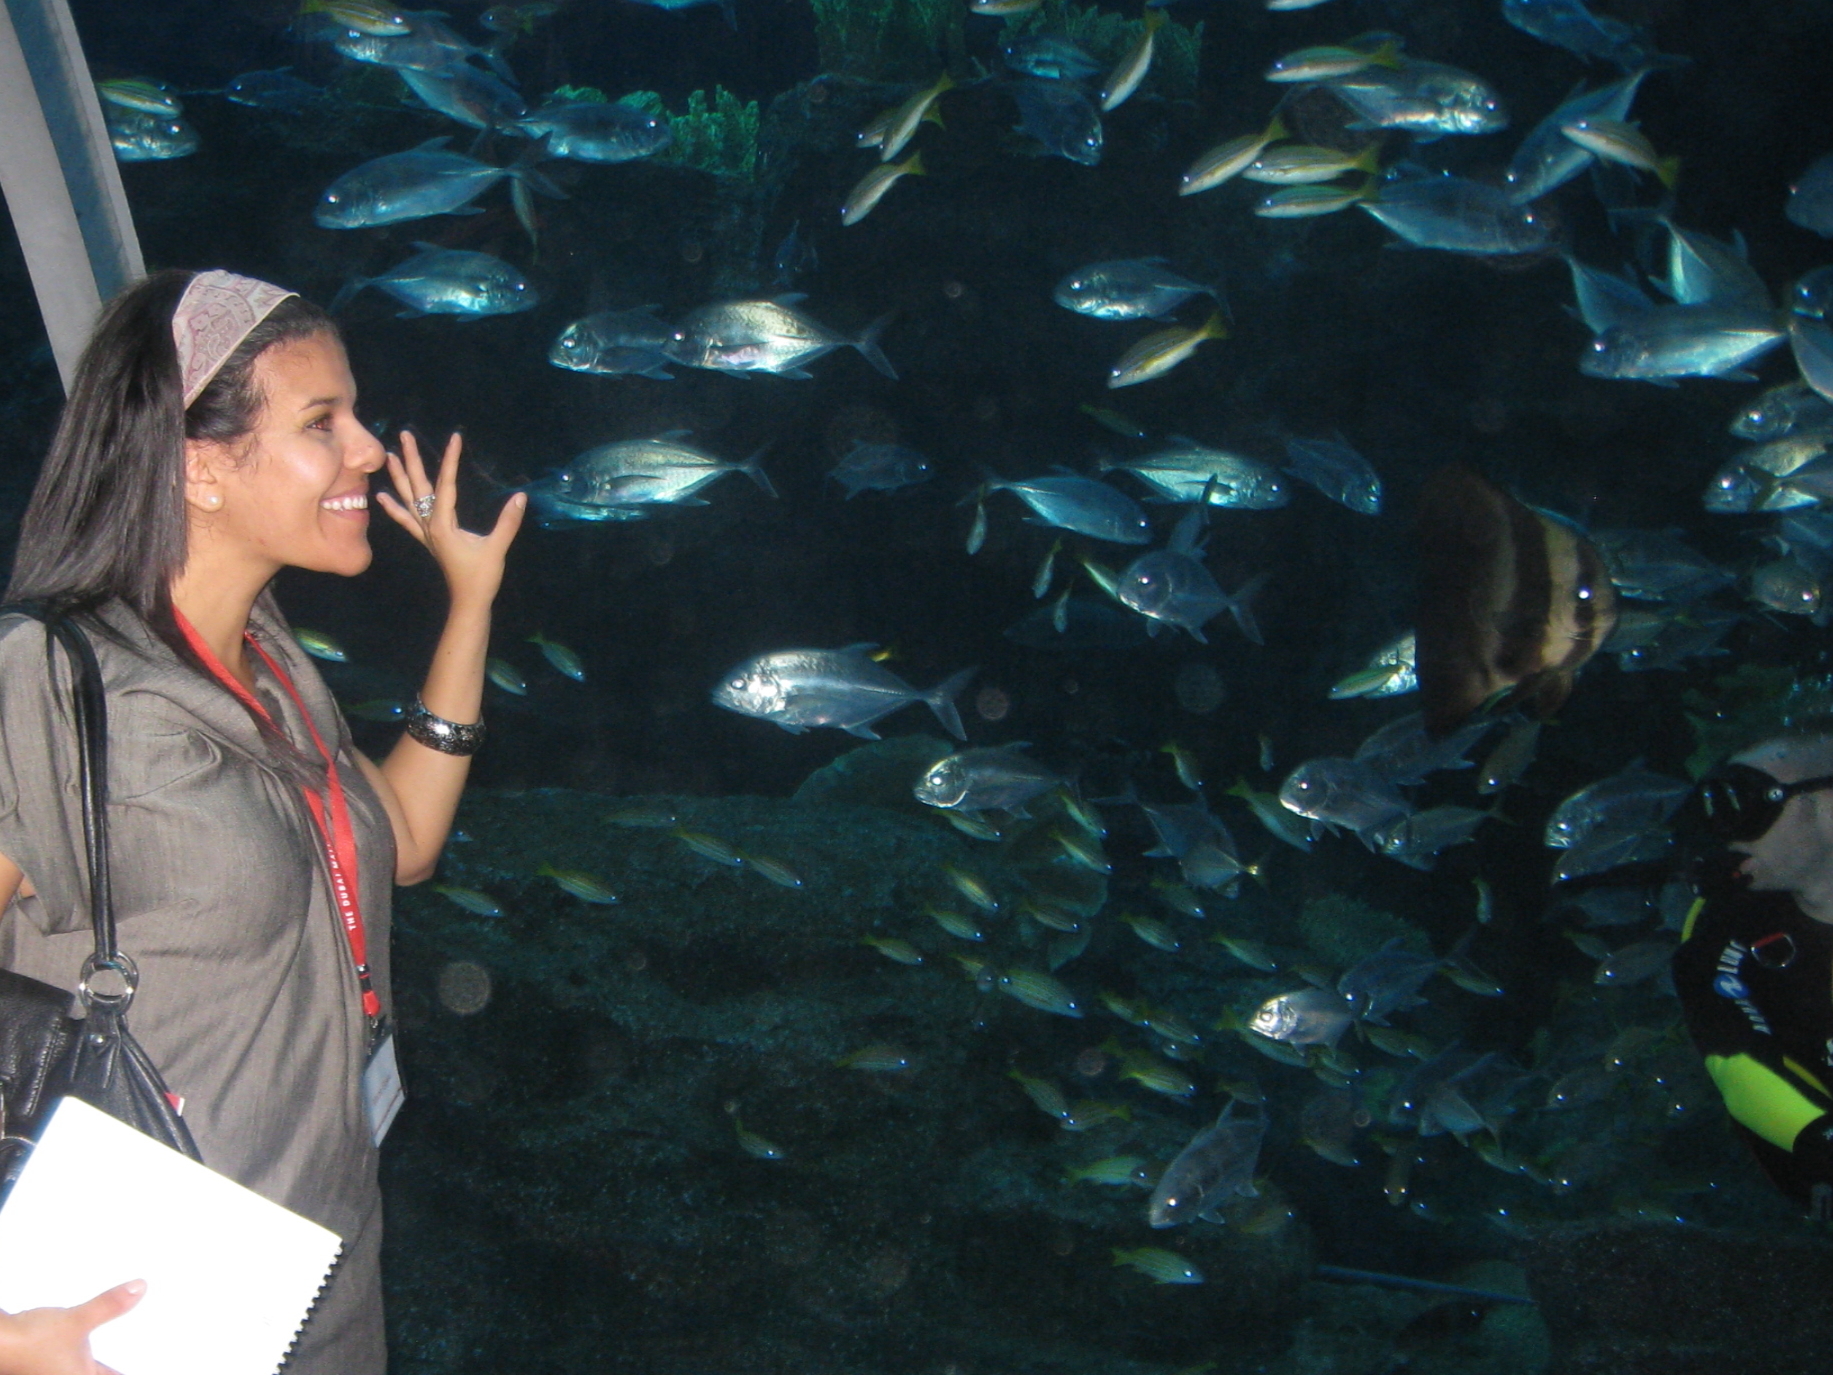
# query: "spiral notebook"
{"type": "Point", "coordinates": [230, 1276]}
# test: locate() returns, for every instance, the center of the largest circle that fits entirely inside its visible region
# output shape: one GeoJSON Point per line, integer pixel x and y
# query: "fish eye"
{"type": "Point", "coordinates": [1584, 594]}
{"type": "Point", "coordinates": [737, 685]}
{"type": "Point", "coordinates": [331, 198]}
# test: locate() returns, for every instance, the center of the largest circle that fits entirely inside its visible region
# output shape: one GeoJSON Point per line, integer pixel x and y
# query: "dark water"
{"type": "Point", "coordinates": [568, 1190]}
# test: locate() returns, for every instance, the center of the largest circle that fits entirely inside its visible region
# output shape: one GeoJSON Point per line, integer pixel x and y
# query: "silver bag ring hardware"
{"type": "Point", "coordinates": [96, 989]}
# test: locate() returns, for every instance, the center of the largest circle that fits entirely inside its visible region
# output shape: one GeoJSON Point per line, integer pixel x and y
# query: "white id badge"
{"type": "Point", "coordinates": [382, 1091]}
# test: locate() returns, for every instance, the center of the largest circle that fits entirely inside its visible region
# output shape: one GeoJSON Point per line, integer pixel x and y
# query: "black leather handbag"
{"type": "Point", "coordinates": [45, 1053]}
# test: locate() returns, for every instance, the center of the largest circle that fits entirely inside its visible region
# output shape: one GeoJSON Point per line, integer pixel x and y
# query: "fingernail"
{"type": "Point", "coordinates": [134, 1288]}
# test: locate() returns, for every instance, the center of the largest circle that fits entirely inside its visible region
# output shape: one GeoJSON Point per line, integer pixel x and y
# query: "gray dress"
{"type": "Point", "coordinates": [248, 999]}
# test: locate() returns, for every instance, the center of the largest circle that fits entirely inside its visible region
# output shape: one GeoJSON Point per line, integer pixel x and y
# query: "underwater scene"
{"type": "Point", "coordinates": [1085, 740]}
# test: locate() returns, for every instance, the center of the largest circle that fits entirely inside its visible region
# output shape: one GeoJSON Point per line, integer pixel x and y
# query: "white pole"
{"type": "Point", "coordinates": [58, 174]}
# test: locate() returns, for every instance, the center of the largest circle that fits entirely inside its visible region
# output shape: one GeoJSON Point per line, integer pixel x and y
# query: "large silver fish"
{"type": "Point", "coordinates": [1068, 502]}
{"type": "Point", "coordinates": [1458, 215]}
{"type": "Point", "coordinates": [615, 343]}
{"type": "Point", "coordinates": [1547, 158]}
{"type": "Point", "coordinates": [1189, 471]}
{"type": "Point", "coordinates": [766, 336]}
{"type": "Point", "coordinates": [1708, 340]}
{"type": "Point", "coordinates": [462, 92]}
{"type": "Point", "coordinates": [450, 281]}
{"type": "Point", "coordinates": [997, 779]}
{"type": "Point", "coordinates": [1217, 1166]}
{"type": "Point", "coordinates": [1341, 792]}
{"type": "Point", "coordinates": [427, 180]}
{"type": "Point", "coordinates": [1128, 289]}
{"type": "Point", "coordinates": [138, 136]}
{"type": "Point", "coordinates": [597, 131]}
{"type": "Point", "coordinates": [1422, 98]}
{"type": "Point", "coordinates": [844, 688]}
{"type": "Point", "coordinates": [648, 472]}
{"type": "Point", "coordinates": [1172, 587]}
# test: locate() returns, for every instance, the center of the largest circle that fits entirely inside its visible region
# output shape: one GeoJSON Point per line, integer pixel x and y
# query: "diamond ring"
{"type": "Point", "coordinates": [423, 506]}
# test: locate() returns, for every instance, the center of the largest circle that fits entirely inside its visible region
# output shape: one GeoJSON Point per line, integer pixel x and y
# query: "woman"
{"type": "Point", "coordinates": [210, 439]}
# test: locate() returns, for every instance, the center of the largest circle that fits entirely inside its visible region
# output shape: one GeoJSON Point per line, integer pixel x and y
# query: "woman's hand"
{"type": "Point", "coordinates": [472, 564]}
{"type": "Point", "coordinates": [55, 1341]}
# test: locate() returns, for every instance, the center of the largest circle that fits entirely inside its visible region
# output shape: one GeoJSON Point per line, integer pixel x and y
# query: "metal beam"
{"type": "Point", "coordinates": [59, 177]}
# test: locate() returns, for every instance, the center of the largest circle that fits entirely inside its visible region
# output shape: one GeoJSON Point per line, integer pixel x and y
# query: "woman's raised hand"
{"type": "Point", "coordinates": [472, 564]}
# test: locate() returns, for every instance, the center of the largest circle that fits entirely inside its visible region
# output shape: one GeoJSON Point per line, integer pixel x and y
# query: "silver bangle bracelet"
{"type": "Point", "coordinates": [437, 733]}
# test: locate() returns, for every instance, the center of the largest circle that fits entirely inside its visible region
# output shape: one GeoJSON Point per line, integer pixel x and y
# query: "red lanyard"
{"type": "Point", "coordinates": [339, 835]}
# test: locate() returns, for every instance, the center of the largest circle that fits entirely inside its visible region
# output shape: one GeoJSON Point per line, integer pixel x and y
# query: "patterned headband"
{"type": "Point", "coordinates": [216, 313]}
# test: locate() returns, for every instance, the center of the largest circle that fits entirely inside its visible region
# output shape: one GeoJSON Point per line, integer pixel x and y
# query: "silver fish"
{"type": "Point", "coordinates": [1336, 470]}
{"type": "Point", "coordinates": [597, 131]}
{"type": "Point", "coordinates": [1417, 840]}
{"type": "Point", "coordinates": [1704, 271]}
{"type": "Point", "coordinates": [1060, 117]}
{"type": "Point", "coordinates": [427, 180]}
{"type": "Point", "coordinates": [450, 281]}
{"type": "Point", "coordinates": [1422, 98]}
{"type": "Point", "coordinates": [880, 468]}
{"type": "Point", "coordinates": [1127, 289]}
{"type": "Point", "coordinates": [614, 343]}
{"type": "Point", "coordinates": [1217, 1166]}
{"type": "Point", "coordinates": [138, 136]}
{"type": "Point", "coordinates": [1570, 25]}
{"type": "Point", "coordinates": [1547, 159]}
{"type": "Point", "coordinates": [799, 688]}
{"type": "Point", "coordinates": [1172, 587]}
{"type": "Point", "coordinates": [648, 472]}
{"type": "Point", "coordinates": [464, 93]}
{"type": "Point", "coordinates": [1387, 981]}
{"type": "Point", "coordinates": [766, 336]}
{"type": "Point", "coordinates": [1603, 298]}
{"type": "Point", "coordinates": [1781, 411]}
{"type": "Point", "coordinates": [427, 46]}
{"type": "Point", "coordinates": [1082, 504]}
{"type": "Point", "coordinates": [1309, 1017]}
{"type": "Point", "coordinates": [1710, 340]}
{"type": "Point", "coordinates": [1001, 778]}
{"type": "Point", "coordinates": [1188, 471]}
{"type": "Point", "coordinates": [1341, 792]}
{"type": "Point", "coordinates": [1458, 215]}
{"type": "Point", "coordinates": [1635, 798]}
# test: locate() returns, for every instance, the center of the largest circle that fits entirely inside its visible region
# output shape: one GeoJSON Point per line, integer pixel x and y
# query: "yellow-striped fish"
{"type": "Point", "coordinates": [876, 1059]}
{"type": "Point", "coordinates": [1229, 159]}
{"type": "Point", "coordinates": [365, 16]}
{"type": "Point", "coordinates": [1133, 65]}
{"type": "Point", "coordinates": [971, 887]}
{"type": "Point", "coordinates": [586, 887]}
{"type": "Point", "coordinates": [893, 949]}
{"type": "Point", "coordinates": [774, 870]}
{"type": "Point", "coordinates": [139, 93]}
{"type": "Point", "coordinates": [907, 118]}
{"type": "Point", "coordinates": [1158, 353]}
{"type": "Point", "coordinates": [871, 188]}
{"type": "Point", "coordinates": [1158, 1265]}
{"type": "Point", "coordinates": [1036, 989]}
{"type": "Point", "coordinates": [953, 922]}
{"type": "Point", "coordinates": [709, 847]}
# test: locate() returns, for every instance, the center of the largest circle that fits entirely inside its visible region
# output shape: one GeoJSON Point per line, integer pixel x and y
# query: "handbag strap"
{"type": "Point", "coordinates": [89, 710]}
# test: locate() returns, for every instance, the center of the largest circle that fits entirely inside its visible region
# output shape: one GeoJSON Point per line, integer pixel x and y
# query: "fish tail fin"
{"type": "Point", "coordinates": [1667, 170]}
{"type": "Point", "coordinates": [1369, 160]}
{"type": "Point", "coordinates": [941, 700]}
{"type": "Point", "coordinates": [752, 468]}
{"type": "Point", "coordinates": [1275, 130]}
{"type": "Point", "coordinates": [524, 171]}
{"type": "Point", "coordinates": [493, 56]}
{"type": "Point", "coordinates": [867, 343]}
{"type": "Point", "coordinates": [1154, 18]}
{"type": "Point", "coordinates": [933, 115]}
{"type": "Point", "coordinates": [1241, 607]}
{"type": "Point", "coordinates": [1216, 326]}
{"type": "Point", "coordinates": [945, 82]}
{"type": "Point", "coordinates": [525, 211]}
{"type": "Point", "coordinates": [345, 292]}
{"type": "Point", "coordinates": [913, 165]}
{"type": "Point", "coordinates": [1387, 55]}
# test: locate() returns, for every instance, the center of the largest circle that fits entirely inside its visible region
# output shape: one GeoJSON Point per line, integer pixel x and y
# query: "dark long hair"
{"type": "Point", "coordinates": [107, 522]}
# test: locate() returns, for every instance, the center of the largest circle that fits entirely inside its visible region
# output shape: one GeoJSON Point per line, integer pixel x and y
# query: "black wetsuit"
{"type": "Point", "coordinates": [1755, 979]}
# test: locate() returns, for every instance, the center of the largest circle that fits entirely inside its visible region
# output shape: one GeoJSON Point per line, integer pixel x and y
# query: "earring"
{"type": "Point", "coordinates": [212, 500]}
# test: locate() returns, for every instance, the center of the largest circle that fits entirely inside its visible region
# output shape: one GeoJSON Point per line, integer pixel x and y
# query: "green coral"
{"type": "Point", "coordinates": [1342, 930]}
{"type": "Point", "coordinates": [719, 137]}
{"type": "Point", "coordinates": [1749, 705]}
{"type": "Point", "coordinates": [1107, 37]}
{"type": "Point", "coordinates": [889, 40]}
{"type": "Point", "coordinates": [579, 95]}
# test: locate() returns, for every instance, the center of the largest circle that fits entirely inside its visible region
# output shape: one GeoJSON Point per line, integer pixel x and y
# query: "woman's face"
{"type": "Point", "coordinates": [295, 493]}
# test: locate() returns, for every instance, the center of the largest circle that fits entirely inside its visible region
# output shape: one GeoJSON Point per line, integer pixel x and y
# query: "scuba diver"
{"type": "Point", "coordinates": [1755, 967]}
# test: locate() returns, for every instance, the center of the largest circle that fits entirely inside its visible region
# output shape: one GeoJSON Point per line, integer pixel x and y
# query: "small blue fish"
{"type": "Point", "coordinates": [1059, 116]}
{"type": "Point", "coordinates": [1336, 470]}
{"type": "Point", "coordinates": [880, 468]}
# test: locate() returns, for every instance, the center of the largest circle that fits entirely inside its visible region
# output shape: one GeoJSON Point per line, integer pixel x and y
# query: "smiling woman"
{"type": "Point", "coordinates": [209, 441]}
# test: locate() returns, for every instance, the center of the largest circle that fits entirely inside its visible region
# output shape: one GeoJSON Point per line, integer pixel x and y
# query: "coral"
{"type": "Point", "coordinates": [1343, 930]}
{"type": "Point", "coordinates": [889, 40]}
{"type": "Point", "coordinates": [720, 137]}
{"type": "Point", "coordinates": [1106, 36]}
